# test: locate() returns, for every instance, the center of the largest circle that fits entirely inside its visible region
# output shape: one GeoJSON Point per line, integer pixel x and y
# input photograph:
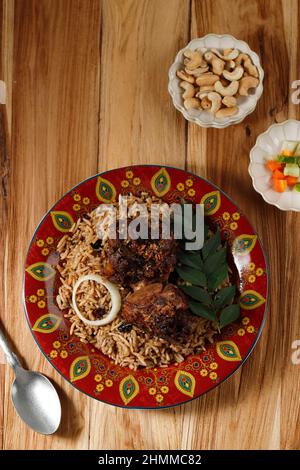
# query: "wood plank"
{"type": "Point", "coordinates": [258, 385]}
{"type": "Point", "coordinates": [290, 302]}
{"type": "Point", "coordinates": [54, 145]}
{"type": "Point", "coordinates": [138, 124]}
{"type": "Point", "coordinates": [6, 41]}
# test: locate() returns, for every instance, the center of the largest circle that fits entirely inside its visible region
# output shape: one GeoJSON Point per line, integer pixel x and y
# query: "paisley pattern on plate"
{"type": "Point", "coordinates": [87, 368]}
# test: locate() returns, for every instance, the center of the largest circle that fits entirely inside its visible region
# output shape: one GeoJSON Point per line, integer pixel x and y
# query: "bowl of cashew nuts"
{"type": "Point", "coordinates": [216, 81]}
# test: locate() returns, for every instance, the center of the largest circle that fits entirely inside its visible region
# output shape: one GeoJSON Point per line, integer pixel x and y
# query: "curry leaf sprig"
{"type": "Point", "coordinates": [201, 273]}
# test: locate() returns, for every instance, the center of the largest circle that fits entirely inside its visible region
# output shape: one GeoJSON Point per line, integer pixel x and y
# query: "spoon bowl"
{"type": "Point", "coordinates": [36, 401]}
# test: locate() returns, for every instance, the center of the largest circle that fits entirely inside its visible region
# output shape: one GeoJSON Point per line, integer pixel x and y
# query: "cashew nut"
{"type": "Point", "coordinates": [246, 83]}
{"type": "Point", "coordinates": [216, 63]}
{"type": "Point", "coordinates": [236, 74]}
{"type": "Point", "coordinates": [207, 79]}
{"type": "Point", "coordinates": [199, 71]}
{"type": "Point", "coordinates": [231, 55]}
{"type": "Point", "coordinates": [230, 65]}
{"type": "Point", "coordinates": [229, 101]}
{"type": "Point", "coordinates": [191, 103]}
{"type": "Point", "coordinates": [230, 90]}
{"type": "Point", "coordinates": [189, 90]}
{"type": "Point", "coordinates": [226, 112]}
{"type": "Point", "coordinates": [216, 101]}
{"type": "Point", "coordinates": [248, 64]}
{"type": "Point", "coordinates": [206, 103]}
{"type": "Point", "coordinates": [193, 59]}
{"type": "Point", "coordinates": [184, 76]}
{"type": "Point", "coordinates": [206, 88]}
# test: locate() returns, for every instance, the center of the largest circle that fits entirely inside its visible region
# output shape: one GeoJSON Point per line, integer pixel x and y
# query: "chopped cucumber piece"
{"type": "Point", "coordinates": [289, 145]}
{"type": "Point", "coordinates": [297, 187]}
{"type": "Point", "coordinates": [297, 151]}
{"type": "Point", "coordinates": [284, 159]}
{"type": "Point", "coordinates": [291, 169]}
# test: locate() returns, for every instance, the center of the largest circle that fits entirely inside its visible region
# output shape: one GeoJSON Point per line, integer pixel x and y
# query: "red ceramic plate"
{"type": "Point", "coordinates": [94, 373]}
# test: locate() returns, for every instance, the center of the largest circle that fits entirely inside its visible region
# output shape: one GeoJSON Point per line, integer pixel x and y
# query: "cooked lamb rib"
{"type": "Point", "coordinates": [156, 309]}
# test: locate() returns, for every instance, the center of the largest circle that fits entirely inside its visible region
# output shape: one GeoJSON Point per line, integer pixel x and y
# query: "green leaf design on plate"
{"type": "Point", "coordinates": [229, 314]}
{"type": "Point", "coordinates": [202, 310]}
{"type": "Point", "coordinates": [224, 296]}
{"type": "Point", "coordinates": [197, 293]}
{"type": "Point", "coordinates": [194, 276]}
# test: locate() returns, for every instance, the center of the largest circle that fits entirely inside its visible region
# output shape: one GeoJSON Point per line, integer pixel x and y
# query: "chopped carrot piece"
{"type": "Point", "coordinates": [291, 180]}
{"type": "Point", "coordinates": [278, 175]}
{"type": "Point", "coordinates": [280, 185]}
{"type": "Point", "coordinates": [272, 165]}
{"type": "Point", "coordinates": [287, 153]}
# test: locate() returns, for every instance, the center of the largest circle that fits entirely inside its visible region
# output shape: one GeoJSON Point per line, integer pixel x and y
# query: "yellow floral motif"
{"type": "Point", "coordinates": [49, 240]}
{"type": "Point", "coordinates": [251, 266]}
{"type": "Point", "coordinates": [246, 320]}
{"type": "Point", "coordinates": [98, 378]}
{"type": "Point", "coordinates": [45, 251]}
{"type": "Point", "coordinates": [56, 344]}
{"type": "Point", "coordinates": [213, 375]}
{"type": "Point", "coordinates": [164, 389]}
{"type": "Point", "coordinates": [109, 383]}
{"type": "Point", "coordinates": [213, 366]}
{"type": "Point", "coordinates": [241, 332]}
{"type": "Point", "coordinates": [53, 354]}
{"type": "Point", "coordinates": [77, 197]}
{"type": "Point", "coordinates": [259, 272]}
{"type": "Point", "coordinates": [99, 387]}
{"type": "Point", "coordinates": [86, 201]}
{"type": "Point", "coordinates": [136, 181]}
{"type": "Point", "coordinates": [159, 398]}
{"type": "Point", "coordinates": [180, 187]}
{"type": "Point", "coordinates": [152, 391]}
{"type": "Point", "coordinates": [191, 192]}
{"type": "Point", "coordinates": [33, 299]}
{"type": "Point", "coordinates": [129, 174]}
{"type": "Point", "coordinates": [236, 216]}
{"type": "Point", "coordinates": [233, 225]}
{"type": "Point", "coordinates": [203, 372]}
{"type": "Point", "coordinates": [251, 278]}
{"type": "Point", "coordinates": [40, 292]}
{"type": "Point", "coordinates": [189, 183]}
{"type": "Point", "coordinates": [226, 215]}
{"type": "Point", "coordinates": [41, 304]}
{"type": "Point", "coordinates": [76, 207]}
{"type": "Point", "coordinates": [124, 184]}
{"type": "Point", "coordinates": [40, 243]}
{"type": "Point", "coordinates": [64, 354]}
{"type": "Point", "coordinates": [250, 329]}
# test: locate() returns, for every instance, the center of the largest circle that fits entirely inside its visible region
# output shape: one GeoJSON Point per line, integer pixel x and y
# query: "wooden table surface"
{"type": "Point", "coordinates": [87, 91]}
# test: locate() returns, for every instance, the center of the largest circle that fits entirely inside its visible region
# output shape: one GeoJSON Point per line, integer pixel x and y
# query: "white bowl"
{"type": "Point", "coordinates": [269, 143]}
{"type": "Point", "coordinates": [205, 118]}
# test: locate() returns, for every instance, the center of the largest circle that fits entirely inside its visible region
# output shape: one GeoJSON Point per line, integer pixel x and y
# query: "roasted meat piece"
{"type": "Point", "coordinates": [156, 309]}
{"type": "Point", "coordinates": [129, 261]}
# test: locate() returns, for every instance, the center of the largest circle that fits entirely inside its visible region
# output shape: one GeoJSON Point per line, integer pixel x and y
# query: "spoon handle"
{"type": "Point", "coordinates": [11, 357]}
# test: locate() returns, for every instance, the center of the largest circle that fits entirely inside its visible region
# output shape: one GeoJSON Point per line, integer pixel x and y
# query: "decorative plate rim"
{"type": "Point", "coordinates": [250, 166]}
{"type": "Point", "coordinates": [253, 344]}
{"type": "Point", "coordinates": [230, 120]}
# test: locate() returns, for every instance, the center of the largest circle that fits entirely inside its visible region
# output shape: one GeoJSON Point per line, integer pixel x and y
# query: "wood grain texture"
{"type": "Point", "coordinates": [87, 83]}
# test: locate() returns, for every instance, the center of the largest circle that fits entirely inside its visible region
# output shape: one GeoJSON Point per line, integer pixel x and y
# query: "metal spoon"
{"type": "Point", "coordinates": [33, 395]}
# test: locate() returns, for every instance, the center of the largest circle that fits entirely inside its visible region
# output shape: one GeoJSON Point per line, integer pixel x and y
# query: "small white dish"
{"type": "Point", "coordinates": [205, 118]}
{"type": "Point", "coordinates": [269, 143]}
